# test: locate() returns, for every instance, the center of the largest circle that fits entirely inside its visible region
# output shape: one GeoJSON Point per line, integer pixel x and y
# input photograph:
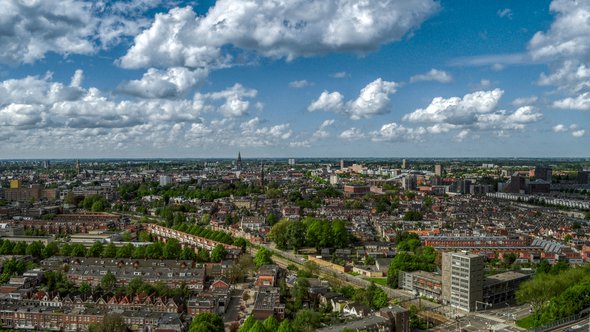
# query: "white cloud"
{"type": "Point", "coordinates": [433, 75]}
{"type": "Point", "coordinates": [285, 29]}
{"type": "Point", "coordinates": [559, 128]}
{"type": "Point", "coordinates": [340, 74]}
{"type": "Point", "coordinates": [393, 132]}
{"type": "Point", "coordinates": [30, 29]}
{"type": "Point", "coordinates": [169, 83]}
{"type": "Point", "coordinates": [523, 101]}
{"type": "Point", "coordinates": [328, 101]}
{"type": "Point", "coordinates": [579, 133]}
{"type": "Point", "coordinates": [234, 105]}
{"type": "Point", "coordinates": [506, 12]}
{"type": "Point", "coordinates": [299, 84]}
{"type": "Point", "coordinates": [581, 102]}
{"type": "Point", "coordinates": [352, 134]}
{"type": "Point", "coordinates": [322, 132]}
{"type": "Point", "coordinates": [373, 100]}
{"type": "Point", "coordinates": [457, 110]}
{"type": "Point", "coordinates": [473, 112]}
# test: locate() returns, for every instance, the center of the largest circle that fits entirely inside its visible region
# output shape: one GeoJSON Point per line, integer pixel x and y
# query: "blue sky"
{"type": "Point", "coordinates": [294, 78]}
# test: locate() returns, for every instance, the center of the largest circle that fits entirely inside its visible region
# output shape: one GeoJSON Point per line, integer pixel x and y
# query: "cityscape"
{"type": "Point", "coordinates": [294, 165]}
{"type": "Point", "coordinates": [294, 244]}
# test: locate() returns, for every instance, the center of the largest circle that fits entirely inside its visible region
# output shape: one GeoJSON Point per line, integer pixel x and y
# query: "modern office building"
{"type": "Point", "coordinates": [165, 180]}
{"type": "Point", "coordinates": [438, 170]}
{"type": "Point", "coordinates": [462, 280]}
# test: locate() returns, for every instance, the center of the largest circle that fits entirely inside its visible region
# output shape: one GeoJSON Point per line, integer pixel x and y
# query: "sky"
{"type": "Point", "coordinates": [294, 78]}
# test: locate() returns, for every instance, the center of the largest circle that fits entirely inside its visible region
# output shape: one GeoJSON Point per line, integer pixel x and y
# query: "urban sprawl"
{"type": "Point", "coordinates": [264, 245]}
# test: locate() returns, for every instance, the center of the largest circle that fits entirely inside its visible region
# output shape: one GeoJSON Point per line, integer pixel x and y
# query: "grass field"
{"type": "Point", "coordinates": [378, 281]}
{"type": "Point", "coordinates": [526, 322]}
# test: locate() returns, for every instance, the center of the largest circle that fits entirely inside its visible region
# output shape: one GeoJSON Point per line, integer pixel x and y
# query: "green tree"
{"type": "Point", "coordinates": [139, 252]}
{"type": "Point", "coordinates": [285, 326]}
{"type": "Point", "coordinates": [95, 250]}
{"type": "Point", "coordinates": [188, 253]}
{"type": "Point", "coordinates": [296, 235]}
{"type": "Point", "coordinates": [125, 251]}
{"type": "Point", "coordinates": [85, 287]}
{"type": "Point", "coordinates": [20, 248]}
{"type": "Point", "coordinates": [271, 324]}
{"type": "Point", "coordinates": [257, 327]}
{"type": "Point", "coordinates": [218, 253]}
{"type": "Point", "coordinates": [247, 325]}
{"type": "Point", "coordinates": [110, 251]}
{"type": "Point", "coordinates": [306, 320]}
{"type": "Point", "coordinates": [78, 250]}
{"type": "Point", "coordinates": [51, 249]}
{"type": "Point", "coordinates": [35, 249]}
{"type": "Point", "coordinates": [108, 282]}
{"type": "Point", "coordinates": [263, 257]}
{"type": "Point", "coordinates": [278, 234]}
{"type": "Point", "coordinates": [134, 286]}
{"type": "Point", "coordinates": [172, 249]}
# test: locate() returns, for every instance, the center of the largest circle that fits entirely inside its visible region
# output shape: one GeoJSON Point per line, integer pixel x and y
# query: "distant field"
{"type": "Point", "coordinates": [378, 281]}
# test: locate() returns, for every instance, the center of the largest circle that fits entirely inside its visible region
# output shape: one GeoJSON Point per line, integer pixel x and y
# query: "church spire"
{"type": "Point", "coordinates": [239, 162]}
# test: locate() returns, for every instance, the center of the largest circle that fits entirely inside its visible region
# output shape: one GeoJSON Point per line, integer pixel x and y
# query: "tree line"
{"type": "Point", "coordinates": [310, 232]}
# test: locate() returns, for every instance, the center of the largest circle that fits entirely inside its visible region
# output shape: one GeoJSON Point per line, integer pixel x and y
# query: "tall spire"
{"type": "Point", "coordinates": [239, 162]}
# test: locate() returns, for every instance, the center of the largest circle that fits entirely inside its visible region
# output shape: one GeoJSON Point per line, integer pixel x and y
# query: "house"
{"type": "Point", "coordinates": [267, 276]}
{"type": "Point", "coordinates": [356, 309]}
{"type": "Point", "coordinates": [220, 283]}
{"type": "Point", "coordinates": [268, 303]}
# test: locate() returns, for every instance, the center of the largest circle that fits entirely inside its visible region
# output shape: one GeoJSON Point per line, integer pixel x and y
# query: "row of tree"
{"type": "Point", "coordinates": [310, 232]}
{"type": "Point", "coordinates": [196, 230]}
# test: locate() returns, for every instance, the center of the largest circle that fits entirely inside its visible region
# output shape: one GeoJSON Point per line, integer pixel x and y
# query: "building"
{"type": "Point", "coordinates": [583, 176]}
{"type": "Point", "coordinates": [165, 180]}
{"type": "Point", "coordinates": [543, 173]}
{"type": "Point", "coordinates": [291, 162]}
{"type": "Point", "coordinates": [351, 190]}
{"type": "Point", "coordinates": [239, 162]}
{"type": "Point", "coordinates": [422, 283]}
{"type": "Point", "coordinates": [438, 170]}
{"type": "Point", "coordinates": [462, 280]}
{"type": "Point", "coordinates": [405, 164]}
{"type": "Point", "coordinates": [392, 319]}
{"type": "Point", "coordinates": [501, 288]}
{"type": "Point", "coordinates": [268, 303]}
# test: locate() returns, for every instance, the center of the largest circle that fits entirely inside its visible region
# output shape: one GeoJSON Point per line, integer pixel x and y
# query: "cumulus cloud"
{"type": "Point", "coordinates": [169, 83]}
{"type": "Point", "coordinates": [340, 74]}
{"type": "Point", "coordinates": [30, 29]}
{"type": "Point", "coordinates": [373, 100]}
{"type": "Point", "coordinates": [393, 132]}
{"type": "Point", "coordinates": [476, 111]}
{"type": "Point", "coordinates": [234, 97]}
{"type": "Point", "coordinates": [579, 133]}
{"type": "Point", "coordinates": [581, 102]}
{"type": "Point", "coordinates": [352, 134]}
{"type": "Point", "coordinates": [559, 128]}
{"type": "Point", "coordinates": [322, 131]}
{"type": "Point", "coordinates": [328, 101]}
{"type": "Point", "coordinates": [433, 75]}
{"type": "Point", "coordinates": [285, 29]}
{"type": "Point", "coordinates": [299, 84]}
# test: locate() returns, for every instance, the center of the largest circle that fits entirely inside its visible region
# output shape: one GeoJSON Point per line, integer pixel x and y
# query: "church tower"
{"type": "Point", "coordinates": [239, 162]}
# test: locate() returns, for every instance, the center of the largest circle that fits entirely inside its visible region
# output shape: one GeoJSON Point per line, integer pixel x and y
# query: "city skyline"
{"type": "Point", "coordinates": [337, 78]}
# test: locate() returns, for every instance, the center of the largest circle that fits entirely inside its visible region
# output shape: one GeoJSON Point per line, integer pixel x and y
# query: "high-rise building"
{"type": "Point", "coordinates": [438, 170]}
{"type": "Point", "coordinates": [462, 280]}
{"type": "Point", "coordinates": [78, 168]}
{"type": "Point", "coordinates": [165, 180]}
{"type": "Point", "coordinates": [291, 161]}
{"type": "Point", "coordinates": [543, 173]}
{"type": "Point", "coordinates": [14, 184]}
{"type": "Point", "coordinates": [583, 176]}
{"type": "Point", "coordinates": [405, 164]}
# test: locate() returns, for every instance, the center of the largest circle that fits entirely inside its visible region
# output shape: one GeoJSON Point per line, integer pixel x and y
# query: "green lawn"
{"type": "Point", "coordinates": [527, 322]}
{"type": "Point", "coordinates": [378, 281]}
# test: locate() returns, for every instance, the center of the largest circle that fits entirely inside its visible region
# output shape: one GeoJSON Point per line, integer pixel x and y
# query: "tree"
{"type": "Point", "coordinates": [285, 326]}
{"type": "Point", "coordinates": [172, 249]}
{"type": "Point", "coordinates": [51, 249]}
{"type": "Point", "coordinates": [78, 250]}
{"type": "Point", "coordinates": [110, 323]}
{"type": "Point", "coordinates": [218, 253]}
{"type": "Point", "coordinates": [207, 322]}
{"type": "Point", "coordinates": [203, 256]}
{"type": "Point", "coordinates": [263, 257]}
{"type": "Point", "coordinates": [95, 250]}
{"type": "Point", "coordinates": [85, 287]}
{"type": "Point", "coordinates": [413, 216]}
{"type": "Point", "coordinates": [35, 249]}
{"type": "Point", "coordinates": [134, 286]}
{"type": "Point", "coordinates": [257, 327]}
{"type": "Point", "coordinates": [110, 251]}
{"type": "Point", "coordinates": [125, 251]}
{"type": "Point", "coordinates": [306, 320]}
{"type": "Point", "coordinates": [278, 233]}
{"type": "Point", "coordinates": [20, 248]}
{"type": "Point", "coordinates": [139, 252]}
{"type": "Point", "coordinates": [271, 324]}
{"type": "Point", "coordinates": [248, 323]}
{"type": "Point", "coordinates": [296, 235]}
{"type": "Point", "coordinates": [108, 282]}
{"type": "Point", "coordinates": [188, 253]}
